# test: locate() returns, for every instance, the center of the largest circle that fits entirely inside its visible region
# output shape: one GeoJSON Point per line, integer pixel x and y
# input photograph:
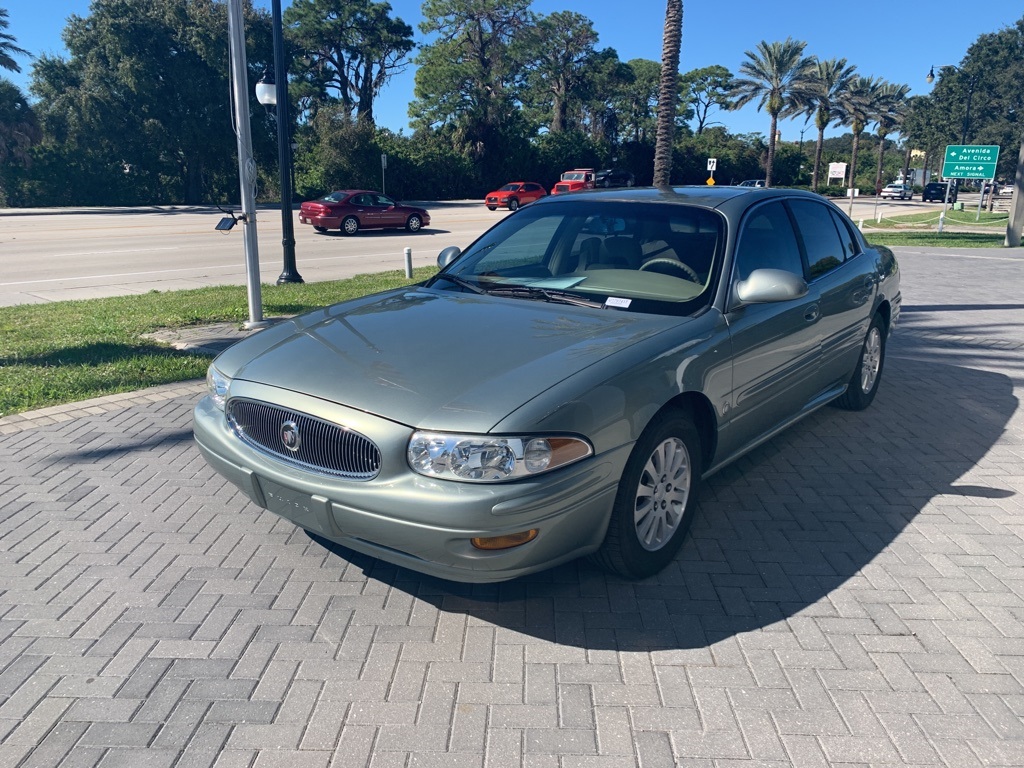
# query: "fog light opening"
{"type": "Point", "coordinates": [508, 541]}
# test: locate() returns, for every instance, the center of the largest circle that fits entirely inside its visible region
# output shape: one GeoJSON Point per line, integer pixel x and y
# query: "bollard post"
{"type": "Point", "coordinates": [942, 220]}
{"type": "Point", "coordinates": [408, 262]}
{"type": "Point", "coordinates": [861, 224]}
{"type": "Point", "coordinates": [878, 217]}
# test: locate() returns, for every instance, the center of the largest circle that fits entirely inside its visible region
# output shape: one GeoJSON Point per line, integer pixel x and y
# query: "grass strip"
{"type": "Point", "coordinates": [68, 351]}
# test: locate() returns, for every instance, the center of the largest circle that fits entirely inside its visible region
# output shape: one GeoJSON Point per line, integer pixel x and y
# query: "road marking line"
{"type": "Point", "coordinates": [269, 264]}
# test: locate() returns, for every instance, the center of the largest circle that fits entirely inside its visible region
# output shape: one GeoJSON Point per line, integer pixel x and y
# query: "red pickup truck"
{"type": "Point", "coordinates": [576, 179]}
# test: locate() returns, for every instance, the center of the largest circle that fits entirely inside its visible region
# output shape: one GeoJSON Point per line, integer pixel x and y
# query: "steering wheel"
{"type": "Point", "coordinates": [673, 267]}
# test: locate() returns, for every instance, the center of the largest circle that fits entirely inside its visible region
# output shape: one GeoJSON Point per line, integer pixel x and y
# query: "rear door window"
{"type": "Point", "coordinates": [821, 240]}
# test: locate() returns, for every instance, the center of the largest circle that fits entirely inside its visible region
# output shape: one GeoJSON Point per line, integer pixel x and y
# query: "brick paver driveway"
{"type": "Point", "coordinates": [852, 594]}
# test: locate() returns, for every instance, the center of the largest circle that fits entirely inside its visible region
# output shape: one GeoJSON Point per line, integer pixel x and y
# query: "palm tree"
{"type": "Point", "coordinates": [668, 92]}
{"type": "Point", "coordinates": [778, 74]}
{"type": "Point", "coordinates": [858, 105]}
{"type": "Point", "coordinates": [892, 103]}
{"type": "Point", "coordinates": [828, 80]}
{"type": "Point", "coordinates": [7, 46]}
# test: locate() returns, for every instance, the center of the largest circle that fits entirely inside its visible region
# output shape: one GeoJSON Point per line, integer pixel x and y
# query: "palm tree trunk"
{"type": "Point", "coordinates": [853, 166]}
{"type": "Point", "coordinates": [817, 158]}
{"type": "Point", "coordinates": [667, 92]}
{"type": "Point", "coordinates": [771, 150]}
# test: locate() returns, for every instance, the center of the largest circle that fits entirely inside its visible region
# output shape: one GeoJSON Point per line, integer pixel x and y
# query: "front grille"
{"type": "Point", "coordinates": [321, 445]}
{"type": "Point", "coordinates": [562, 187]}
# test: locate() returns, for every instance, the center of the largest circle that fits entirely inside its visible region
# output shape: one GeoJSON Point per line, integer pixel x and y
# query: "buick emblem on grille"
{"type": "Point", "coordinates": [290, 436]}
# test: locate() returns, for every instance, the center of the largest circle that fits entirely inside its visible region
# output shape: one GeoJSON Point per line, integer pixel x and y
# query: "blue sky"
{"type": "Point", "coordinates": [897, 41]}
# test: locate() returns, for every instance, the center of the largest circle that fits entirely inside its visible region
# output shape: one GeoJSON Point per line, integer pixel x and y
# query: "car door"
{"type": "Point", "coordinates": [776, 346]}
{"type": "Point", "coordinates": [845, 280]}
{"type": "Point", "coordinates": [362, 207]}
{"type": "Point", "coordinates": [387, 212]}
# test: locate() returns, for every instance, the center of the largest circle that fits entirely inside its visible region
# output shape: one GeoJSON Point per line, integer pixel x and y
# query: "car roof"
{"type": "Point", "coordinates": [710, 197]}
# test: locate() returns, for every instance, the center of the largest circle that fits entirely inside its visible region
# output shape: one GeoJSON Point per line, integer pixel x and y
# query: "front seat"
{"type": "Point", "coordinates": [620, 253]}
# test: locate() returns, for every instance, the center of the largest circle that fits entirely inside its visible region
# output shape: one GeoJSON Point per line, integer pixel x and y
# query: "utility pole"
{"type": "Point", "coordinates": [246, 164]}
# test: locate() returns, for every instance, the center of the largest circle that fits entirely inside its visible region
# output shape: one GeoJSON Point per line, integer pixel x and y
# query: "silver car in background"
{"type": "Point", "coordinates": [561, 387]}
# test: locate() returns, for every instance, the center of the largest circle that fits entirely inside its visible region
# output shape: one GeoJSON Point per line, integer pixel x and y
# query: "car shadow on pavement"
{"type": "Point", "coordinates": [384, 233]}
{"type": "Point", "coordinates": [826, 504]}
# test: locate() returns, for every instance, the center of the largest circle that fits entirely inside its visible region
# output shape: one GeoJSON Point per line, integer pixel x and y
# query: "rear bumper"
{"type": "Point", "coordinates": [319, 221]}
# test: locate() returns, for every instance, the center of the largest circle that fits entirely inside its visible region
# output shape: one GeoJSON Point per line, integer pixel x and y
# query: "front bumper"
{"type": "Point", "coordinates": [419, 522]}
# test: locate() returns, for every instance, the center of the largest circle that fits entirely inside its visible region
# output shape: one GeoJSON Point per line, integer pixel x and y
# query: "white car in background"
{"type": "Point", "coordinates": [894, 191]}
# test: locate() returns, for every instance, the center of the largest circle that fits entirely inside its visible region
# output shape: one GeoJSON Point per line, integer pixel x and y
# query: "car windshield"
{"type": "Point", "coordinates": [509, 188]}
{"type": "Point", "coordinates": [643, 257]}
{"type": "Point", "coordinates": [568, 176]}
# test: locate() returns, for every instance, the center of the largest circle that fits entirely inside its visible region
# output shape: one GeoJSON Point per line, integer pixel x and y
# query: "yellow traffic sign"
{"type": "Point", "coordinates": [711, 181]}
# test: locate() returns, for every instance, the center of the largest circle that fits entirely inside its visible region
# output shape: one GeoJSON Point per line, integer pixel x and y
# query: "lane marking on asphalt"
{"type": "Point", "coordinates": [206, 267]}
{"type": "Point", "coordinates": [961, 255]}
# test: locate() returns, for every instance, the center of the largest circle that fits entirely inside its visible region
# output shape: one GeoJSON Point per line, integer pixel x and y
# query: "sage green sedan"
{"type": "Point", "coordinates": [561, 387]}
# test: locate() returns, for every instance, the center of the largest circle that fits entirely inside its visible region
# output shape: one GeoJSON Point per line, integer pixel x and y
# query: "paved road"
{"type": "Point", "coordinates": [48, 255]}
{"type": "Point", "coordinates": [852, 595]}
{"type": "Point", "coordinates": [79, 254]}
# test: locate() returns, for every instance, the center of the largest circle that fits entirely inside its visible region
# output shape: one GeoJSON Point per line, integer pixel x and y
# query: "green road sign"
{"type": "Point", "coordinates": [970, 161]}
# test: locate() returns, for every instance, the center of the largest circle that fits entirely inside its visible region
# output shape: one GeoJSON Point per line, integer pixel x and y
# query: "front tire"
{"type": "Point", "coordinates": [513, 205]}
{"type": "Point", "coordinates": [350, 225]}
{"type": "Point", "coordinates": [868, 374]}
{"type": "Point", "coordinates": [414, 223]}
{"type": "Point", "coordinates": [656, 499]}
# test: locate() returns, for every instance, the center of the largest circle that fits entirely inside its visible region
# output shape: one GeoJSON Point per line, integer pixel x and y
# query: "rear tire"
{"type": "Point", "coordinates": [656, 500]}
{"type": "Point", "coordinates": [350, 225]}
{"type": "Point", "coordinates": [868, 374]}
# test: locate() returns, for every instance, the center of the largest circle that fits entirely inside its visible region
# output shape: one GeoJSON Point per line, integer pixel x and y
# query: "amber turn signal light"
{"type": "Point", "coordinates": [505, 542]}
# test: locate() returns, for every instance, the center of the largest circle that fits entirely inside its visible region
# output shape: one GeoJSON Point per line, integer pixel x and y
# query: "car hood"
{"type": "Point", "coordinates": [435, 359]}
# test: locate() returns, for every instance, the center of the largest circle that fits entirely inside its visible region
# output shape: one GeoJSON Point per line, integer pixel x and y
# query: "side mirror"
{"type": "Point", "coordinates": [766, 286]}
{"type": "Point", "coordinates": [448, 255]}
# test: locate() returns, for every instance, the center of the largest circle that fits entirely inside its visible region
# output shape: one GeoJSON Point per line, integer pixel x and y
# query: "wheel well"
{"type": "Point", "coordinates": [699, 408]}
{"type": "Point", "coordinates": [885, 310]}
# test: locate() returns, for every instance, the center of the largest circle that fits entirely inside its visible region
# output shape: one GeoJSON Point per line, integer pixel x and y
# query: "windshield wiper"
{"type": "Point", "coordinates": [536, 292]}
{"type": "Point", "coordinates": [458, 281]}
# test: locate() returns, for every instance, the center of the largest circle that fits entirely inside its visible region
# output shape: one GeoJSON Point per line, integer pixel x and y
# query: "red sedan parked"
{"type": "Point", "coordinates": [353, 209]}
{"type": "Point", "coordinates": [514, 194]}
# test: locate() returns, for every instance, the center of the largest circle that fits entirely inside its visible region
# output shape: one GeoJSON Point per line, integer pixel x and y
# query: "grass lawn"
{"type": "Point", "coordinates": [922, 229]}
{"type": "Point", "coordinates": [937, 239]}
{"type": "Point", "coordinates": [74, 350]}
{"type": "Point", "coordinates": [965, 218]}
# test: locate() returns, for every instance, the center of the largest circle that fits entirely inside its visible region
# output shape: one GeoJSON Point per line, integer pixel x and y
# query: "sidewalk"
{"type": "Point", "coordinates": [852, 594]}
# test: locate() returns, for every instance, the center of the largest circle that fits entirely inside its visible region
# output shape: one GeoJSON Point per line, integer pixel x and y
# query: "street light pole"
{"type": "Point", "coordinates": [972, 80]}
{"type": "Point", "coordinates": [290, 274]}
{"type": "Point", "coordinates": [246, 175]}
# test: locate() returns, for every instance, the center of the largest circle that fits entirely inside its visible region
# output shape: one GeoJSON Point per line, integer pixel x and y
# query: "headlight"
{"type": "Point", "coordinates": [488, 459]}
{"type": "Point", "coordinates": [217, 383]}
